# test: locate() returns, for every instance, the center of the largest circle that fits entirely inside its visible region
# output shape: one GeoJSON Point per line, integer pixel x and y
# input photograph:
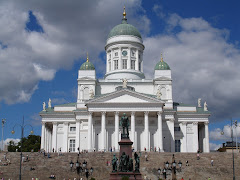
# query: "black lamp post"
{"type": "Point", "coordinates": [22, 131]}
{"type": "Point", "coordinates": [164, 173]}
{"type": "Point", "coordinates": [180, 166]}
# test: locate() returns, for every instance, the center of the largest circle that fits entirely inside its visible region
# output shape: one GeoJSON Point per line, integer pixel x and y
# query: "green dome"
{"type": "Point", "coordinates": [124, 29]}
{"type": "Point", "coordinates": [162, 66]}
{"type": "Point", "coordinates": [87, 66]}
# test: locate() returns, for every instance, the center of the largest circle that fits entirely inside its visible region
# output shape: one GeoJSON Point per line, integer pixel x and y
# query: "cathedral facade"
{"type": "Point", "coordinates": [156, 121]}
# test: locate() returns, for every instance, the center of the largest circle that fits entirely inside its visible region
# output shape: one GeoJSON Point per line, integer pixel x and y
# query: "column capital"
{"type": "Point", "coordinates": [195, 123]}
{"type": "Point", "coordinates": [103, 112]}
{"type": "Point", "coordinates": [146, 112]}
{"type": "Point", "coordinates": [159, 113]}
{"type": "Point", "coordinates": [43, 123]}
{"type": "Point", "coordinates": [133, 113]}
{"type": "Point", "coordinates": [171, 120]}
{"type": "Point", "coordinates": [183, 123]}
{"type": "Point", "coordinates": [116, 112]}
{"type": "Point", "coordinates": [54, 123]}
{"type": "Point", "coordinates": [90, 113]}
{"type": "Point", "coordinates": [206, 123]}
{"type": "Point", "coordinates": [65, 123]}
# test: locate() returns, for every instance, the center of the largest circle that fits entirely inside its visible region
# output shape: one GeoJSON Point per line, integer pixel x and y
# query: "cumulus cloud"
{"type": "Point", "coordinates": [69, 31]}
{"type": "Point", "coordinates": [203, 63]}
{"type": "Point", "coordinates": [224, 134]}
{"type": "Point", "coordinates": [214, 147]}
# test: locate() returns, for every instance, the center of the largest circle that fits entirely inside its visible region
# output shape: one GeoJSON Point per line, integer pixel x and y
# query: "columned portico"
{"type": "Point", "coordinates": [77, 134]}
{"type": "Point", "coordinates": [103, 130]}
{"type": "Point", "coordinates": [90, 131]}
{"type": "Point", "coordinates": [116, 130]}
{"type": "Point", "coordinates": [160, 136]}
{"type": "Point", "coordinates": [133, 129]}
{"type": "Point", "coordinates": [206, 147]}
{"type": "Point", "coordinates": [172, 138]}
{"type": "Point", "coordinates": [146, 125]}
{"type": "Point", "coordinates": [54, 136]}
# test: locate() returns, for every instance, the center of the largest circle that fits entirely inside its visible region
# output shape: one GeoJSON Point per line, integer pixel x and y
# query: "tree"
{"type": "Point", "coordinates": [28, 143]}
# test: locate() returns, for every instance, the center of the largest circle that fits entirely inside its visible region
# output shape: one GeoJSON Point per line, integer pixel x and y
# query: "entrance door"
{"type": "Point", "coordinates": [177, 146]}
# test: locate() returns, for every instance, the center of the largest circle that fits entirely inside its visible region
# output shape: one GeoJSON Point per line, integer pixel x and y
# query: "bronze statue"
{"type": "Point", "coordinates": [124, 123]}
{"type": "Point", "coordinates": [114, 163]}
{"type": "Point", "coordinates": [137, 162]}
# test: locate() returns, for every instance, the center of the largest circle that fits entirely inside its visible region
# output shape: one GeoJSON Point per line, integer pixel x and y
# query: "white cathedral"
{"type": "Point", "coordinates": [156, 121]}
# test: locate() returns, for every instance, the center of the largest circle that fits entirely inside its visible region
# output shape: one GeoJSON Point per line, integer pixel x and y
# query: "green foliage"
{"type": "Point", "coordinates": [28, 143]}
{"type": "Point", "coordinates": [125, 178]}
{"type": "Point", "coordinates": [92, 178]}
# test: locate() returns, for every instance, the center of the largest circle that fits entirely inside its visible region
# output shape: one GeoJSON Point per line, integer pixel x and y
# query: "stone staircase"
{"type": "Point", "coordinates": [60, 167]}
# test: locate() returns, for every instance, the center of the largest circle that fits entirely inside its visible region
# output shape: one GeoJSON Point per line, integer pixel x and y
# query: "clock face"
{"type": "Point", "coordinates": [124, 53]}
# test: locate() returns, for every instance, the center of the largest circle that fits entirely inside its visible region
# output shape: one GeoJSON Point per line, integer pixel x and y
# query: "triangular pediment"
{"type": "Point", "coordinates": [125, 96]}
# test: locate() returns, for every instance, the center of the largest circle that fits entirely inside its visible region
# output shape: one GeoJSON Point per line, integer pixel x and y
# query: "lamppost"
{"type": "Point", "coordinates": [3, 122]}
{"type": "Point", "coordinates": [173, 168]}
{"type": "Point", "coordinates": [236, 125]}
{"type": "Point", "coordinates": [222, 133]}
{"type": "Point", "coordinates": [71, 165]}
{"type": "Point", "coordinates": [22, 131]}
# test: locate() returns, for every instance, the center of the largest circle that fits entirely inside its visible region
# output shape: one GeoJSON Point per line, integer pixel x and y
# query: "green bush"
{"type": "Point", "coordinates": [125, 178]}
{"type": "Point", "coordinates": [92, 178]}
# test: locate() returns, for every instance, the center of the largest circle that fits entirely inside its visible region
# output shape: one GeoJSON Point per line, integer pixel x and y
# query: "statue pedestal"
{"type": "Point", "coordinates": [125, 146]}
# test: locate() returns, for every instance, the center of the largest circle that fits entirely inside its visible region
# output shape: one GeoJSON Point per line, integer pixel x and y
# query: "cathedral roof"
{"type": "Point", "coordinates": [162, 65]}
{"type": "Point", "coordinates": [87, 65]}
{"type": "Point", "coordinates": [124, 29]}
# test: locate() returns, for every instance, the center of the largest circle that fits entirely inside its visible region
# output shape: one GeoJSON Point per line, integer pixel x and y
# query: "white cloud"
{"type": "Point", "coordinates": [69, 31]}
{"type": "Point", "coordinates": [224, 134]}
{"type": "Point", "coordinates": [203, 63]}
{"type": "Point", "coordinates": [215, 146]}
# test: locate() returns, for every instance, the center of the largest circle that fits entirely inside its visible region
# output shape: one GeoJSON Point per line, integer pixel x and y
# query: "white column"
{"type": "Point", "coordinates": [43, 136]}
{"type": "Point", "coordinates": [171, 128]}
{"type": "Point", "coordinates": [116, 130]}
{"type": "Point", "coordinates": [46, 139]}
{"type": "Point", "coordinates": [137, 61]}
{"type": "Point", "coordinates": [77, 134]}
{"type": "Point", "coordinates": [129, 59]}
{"type": "Point", "coordinates": [206, 149]}
{"type": "Point", "coordinates": [65, 137]}
{"type": "Point", "coordinates": [133, 130]}
{"type": "Point", "coordinates": [183, 127]}
{"type": "Point", "coordinates": [90, 131]}
{"type": "Point", "coordinates": [54, 136]}
{"type": "Point", "coordinates": [160, 136]}
{"type": "Point", "coordinates": [195, 136]}
{"type": "Point", "coordinates": [103, 130]}
{"type": "Point", "coordinates": [120, 64]}
{"type": "Point", "coordinates": [146, 125]}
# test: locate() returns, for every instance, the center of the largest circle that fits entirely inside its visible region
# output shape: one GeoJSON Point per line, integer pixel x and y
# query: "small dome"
{"type": "Point", "coordinates": [124, 29]}
{"type": "Point", "coordinates": [87, 65]}
{"type": "Point", "coordinates": [162, 65]}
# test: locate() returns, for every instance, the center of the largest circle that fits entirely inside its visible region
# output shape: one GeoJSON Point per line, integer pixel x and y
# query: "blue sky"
{"type": "Point", "coordinates": [44, 43]}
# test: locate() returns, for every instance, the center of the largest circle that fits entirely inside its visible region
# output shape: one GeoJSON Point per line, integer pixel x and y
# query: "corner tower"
{"type": "Point", "coordinates": [124, 52]}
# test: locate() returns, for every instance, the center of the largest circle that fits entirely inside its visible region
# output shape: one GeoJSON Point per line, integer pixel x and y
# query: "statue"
{"type": "Point", "coordinates": [91, 93]}
{"type": "Point", "coordinates": [49, 103]}
{"type": "Point", "coordinates": [130, 164]}
{"type": "Point", "coordinates": [159, 94]}
{"type": "Point", "coordinates": [124, 83]}
{"type": "Point", "coordinates": [199, 102]}
{"type": "Point", "coordinates": [205, 106]}
{"type": "Point", "coordinates": [114, 163]}
{"type": "Point", "coordinates": [124, 123]}
{"type": "Point", "coordinates": [137, 162]}
{"type": "Point", "coordinates": [44, 106]}
{"type": "Point", "coordinates": [123, 165]}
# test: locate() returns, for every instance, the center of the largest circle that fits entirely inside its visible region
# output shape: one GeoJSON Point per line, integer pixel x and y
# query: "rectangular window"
{"type": "Point", "coordinates": [132, 64]}
{"type": "Point", "coordinates": [176, 128]}
{"type": "Point", "coordinates": [177, 146]}
{"type": "Point", "coordinates": [72, 128]}
{"type": "Point", "coordinates": [124, 64]}
{"type": "Point", "coordinates": [139, 66]}
{"type": "Point", "coordinates": [72, 145]}
{"type": "Point", "coordinates": [115, 64]}
{"type": "Point", "coordinates": [133, 53]}
{"type": "Point", "coordinates": [116, 53]}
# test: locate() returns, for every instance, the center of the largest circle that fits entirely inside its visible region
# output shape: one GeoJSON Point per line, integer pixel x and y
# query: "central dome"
{"type": "Point", "coordinates": [124, 29]}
